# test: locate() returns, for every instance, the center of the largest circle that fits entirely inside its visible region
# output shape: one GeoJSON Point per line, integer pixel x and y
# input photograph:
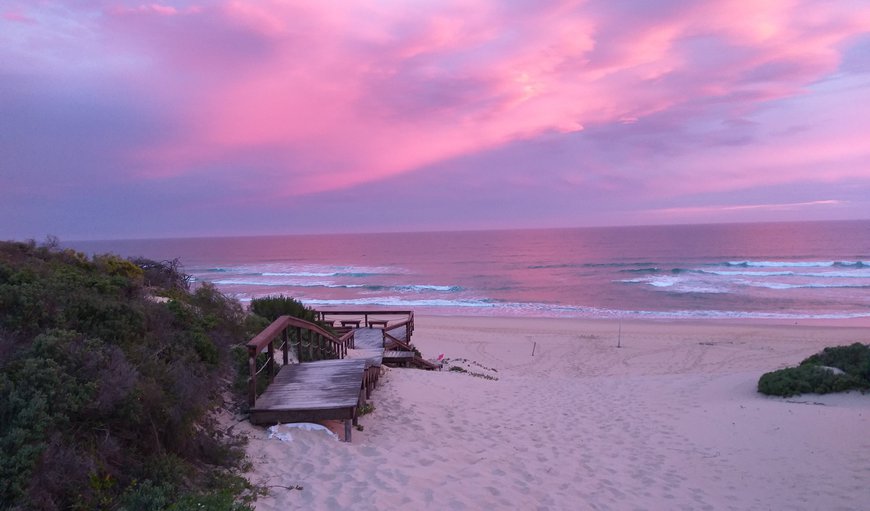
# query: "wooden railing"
{"type": "Point", "coordinates": [312, 341]}
{"type": "Point", "coordinates": [390, 319]}
{"type": "Point", "coordinates": [408, 324]}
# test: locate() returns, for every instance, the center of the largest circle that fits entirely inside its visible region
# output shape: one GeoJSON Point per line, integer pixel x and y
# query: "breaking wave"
{"type": "Point", "coordinates": [800, 264]}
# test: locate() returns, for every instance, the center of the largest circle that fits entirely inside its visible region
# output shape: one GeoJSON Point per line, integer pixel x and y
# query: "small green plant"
{"type": "Point", "coordinates": [475, 363]}
{"type": "Point", "coordinates": [459, 369]}
{"type": "Point", "coordinates": [365, 409]}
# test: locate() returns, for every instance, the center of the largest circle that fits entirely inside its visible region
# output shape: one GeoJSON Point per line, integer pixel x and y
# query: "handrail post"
{"type": "Point", "coordinates": [271, 362]}
{"type": "Point", "coordinates": [318, 341]}
{"type": "Point", "coordinates": [299, 343]}
{"type": "Point", "coordinates": [410, 326]}
{"type": "Point", "coordinates": [286, 338]}
{"type": "Point", "coordinates": [252, 381]}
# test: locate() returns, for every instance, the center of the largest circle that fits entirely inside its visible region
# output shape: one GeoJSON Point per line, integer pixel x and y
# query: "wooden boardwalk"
{"type": "Point", "coordinates": [368, 346]}
{"type": "Point", "coordinates": [333, 387]}
{"type": "Point", "coordinates": [323, 389]}
{"type": "Point", "coordinates": [370, 341]}
{"type": "Point", "coordinates": [312, 391]}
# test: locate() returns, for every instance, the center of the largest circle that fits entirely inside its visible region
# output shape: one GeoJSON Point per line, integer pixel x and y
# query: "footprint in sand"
{"type": "Point", "coordinates": [369, 451]}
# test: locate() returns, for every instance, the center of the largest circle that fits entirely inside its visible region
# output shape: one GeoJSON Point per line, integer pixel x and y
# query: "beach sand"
{"type": "Point", "coordinates": [670, 420]}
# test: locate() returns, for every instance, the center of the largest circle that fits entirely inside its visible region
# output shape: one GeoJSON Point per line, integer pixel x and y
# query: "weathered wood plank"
{"type": "Point", "coordinates": [395, 354]}
{"type": "Point", "coordinates": [312, 388]}
{"type": "Point", "coordinates": [369, 338]}
{"type": "Point", "coordinates": [271, 417]}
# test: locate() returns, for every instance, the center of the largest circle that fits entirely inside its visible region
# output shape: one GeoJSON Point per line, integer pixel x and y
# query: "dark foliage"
{"type": "Point", "coordinates": [165, 275]}
{"type": "Point", "coordinates": [271, 307]}
{"type": "Point", "coordinates": [853, 359]}
{"type": "Point", "coordinates": [104, 390]}
{"type": "Point", "coordinates": [811, 376]}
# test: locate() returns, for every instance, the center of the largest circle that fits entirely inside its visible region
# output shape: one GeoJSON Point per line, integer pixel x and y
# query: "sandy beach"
{"type": "Point", "coordinates": [669, 420]}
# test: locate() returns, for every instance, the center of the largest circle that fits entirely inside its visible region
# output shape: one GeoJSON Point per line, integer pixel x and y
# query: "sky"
{"type": "Point", "coordinates": [124, 119]}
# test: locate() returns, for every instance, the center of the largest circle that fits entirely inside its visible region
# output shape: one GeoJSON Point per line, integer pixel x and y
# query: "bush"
{"type": "Point", "coordinates": [166, 275]}
{"type": "Point", "coordinates": [272, 307]}
{"type": "Point", "coordinates": [103, 391]}
{"type": "Point", "coordinates": [853, 359]}
{"type": "Point", "coordinates": [811, 377]}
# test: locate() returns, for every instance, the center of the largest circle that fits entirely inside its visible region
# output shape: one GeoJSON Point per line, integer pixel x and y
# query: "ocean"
{"type": "Point", "coordinates": [767, 270]}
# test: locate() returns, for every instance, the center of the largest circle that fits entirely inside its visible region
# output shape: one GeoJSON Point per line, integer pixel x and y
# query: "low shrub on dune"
{"type": "Point", "coordinates": [835, 369]}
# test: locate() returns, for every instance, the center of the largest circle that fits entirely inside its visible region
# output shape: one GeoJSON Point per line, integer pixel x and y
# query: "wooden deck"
{"type": "Point", "coordinates": [312, 391]}
{"type": "Point", "coordinates": [322, 389]}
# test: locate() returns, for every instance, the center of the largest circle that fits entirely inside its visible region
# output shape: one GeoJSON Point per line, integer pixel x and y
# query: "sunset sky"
{"type": "Point", "coordinates": [124, 119]}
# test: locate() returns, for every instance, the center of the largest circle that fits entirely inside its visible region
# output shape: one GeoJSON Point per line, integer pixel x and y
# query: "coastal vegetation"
{"type": "Point", "coordinates": [272, 307]}
{"type": "Point", "coordinates": [110, 370]}
{"type": "Point", "coordinates": [834, 369]}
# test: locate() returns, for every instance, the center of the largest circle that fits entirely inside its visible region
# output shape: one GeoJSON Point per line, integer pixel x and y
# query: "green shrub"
{"type": "Point", "coordinates": [272, 307]}
{"type": "Point", "coordinates": [146, 496]}
{"type": "Point", "coordinates": [114, 265]}
{"type": "Point", "coordinates": [853, 359]}
{"type": "Point", "coordinates": [811, 377]}
{"type": "Point", "coordinates": [103, 392]}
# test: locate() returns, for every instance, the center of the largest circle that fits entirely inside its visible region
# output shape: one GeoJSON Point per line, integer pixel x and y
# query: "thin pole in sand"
{"type": "Point", "coordinates": [619, 336]}
{"type": "Point", "coordinates": [533, 348]}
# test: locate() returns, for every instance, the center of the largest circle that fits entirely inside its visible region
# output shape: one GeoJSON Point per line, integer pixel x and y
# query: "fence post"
{"type": "Point", "coordinates": [286, 338]}
{"type": "Point", "coordinates": [252, 381]}
{"type": "Point", "coordinates": [271, 362]}
{"type": "Point", "coordinates": [299, 343]}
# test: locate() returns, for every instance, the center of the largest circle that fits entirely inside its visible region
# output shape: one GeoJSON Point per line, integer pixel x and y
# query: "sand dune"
{"type": "Point", "coordinates": [670, 420]}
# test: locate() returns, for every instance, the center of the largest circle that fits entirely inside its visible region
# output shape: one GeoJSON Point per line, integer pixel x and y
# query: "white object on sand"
{"type": "Point", "coordinates": [282, 431]}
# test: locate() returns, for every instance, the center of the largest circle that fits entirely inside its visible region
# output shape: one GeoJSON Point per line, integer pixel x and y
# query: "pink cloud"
{"type": "Point", "coordinates": [16, 16]}
{"type": "Point", "coordinates": [746, 212]}
{"type": "Point", "coordinates": [366, 92]}
{"type": "Point", "coordinates": [276, 99]}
